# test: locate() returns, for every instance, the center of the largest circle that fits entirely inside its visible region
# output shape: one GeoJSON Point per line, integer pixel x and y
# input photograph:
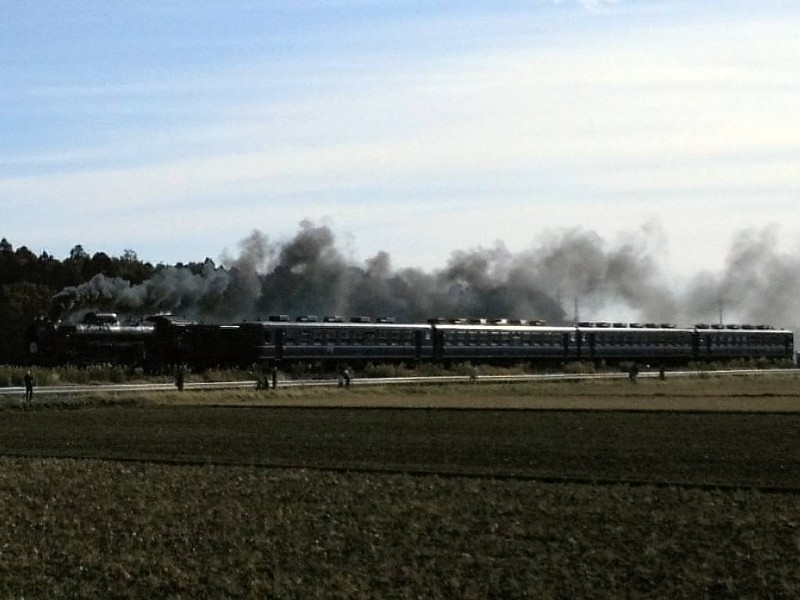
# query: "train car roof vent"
{"type": "Point", "coordinates": [279, 318]}
{"type": "Point", "coordinates": [334, 319]}
{"type": "Point", "coordinates": [307, 319]}
{"type": "Point", "coordinates": [386, 320]}
{"type": "Point", "coordinates": [360, 320]}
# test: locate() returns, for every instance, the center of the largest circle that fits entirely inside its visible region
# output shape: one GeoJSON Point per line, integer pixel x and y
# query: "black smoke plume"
{"type": "Point", "coordinates": [310, 275]}
{"type": "Point", "coordinates": [759, 283]}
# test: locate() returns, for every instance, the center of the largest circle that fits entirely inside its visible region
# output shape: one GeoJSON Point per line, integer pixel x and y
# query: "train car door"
{"type": "Point", "coordinates": [566, 344]}
{"type": "Point", "coordinates": [280, 343]}
{"type": "Point", "coordinates": [418, 339]}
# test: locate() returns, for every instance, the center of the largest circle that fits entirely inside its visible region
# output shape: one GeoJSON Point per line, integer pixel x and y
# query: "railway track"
{"type": "Point", "coordinates": [437, 380]}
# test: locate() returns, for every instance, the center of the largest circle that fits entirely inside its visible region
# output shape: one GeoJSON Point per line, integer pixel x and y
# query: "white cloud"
{"type": "Point", "coordinates": [693, 124]}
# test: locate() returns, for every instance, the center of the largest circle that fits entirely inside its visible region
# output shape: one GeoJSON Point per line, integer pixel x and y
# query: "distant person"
{"type": "Point", "coordinates": [274, 378]}
{"type": "Point", "coordinates": [28, 386]}
{"type": "Point", "coordinates": [633, 372]}
{"type": "Point", "coordinates": [179, 378]}
{"type": "Point", "coordinates": [346, 375]}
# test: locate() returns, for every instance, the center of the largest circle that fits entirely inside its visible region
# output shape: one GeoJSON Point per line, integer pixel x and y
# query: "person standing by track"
{"type": "Point", "coordinates": [28, 379]}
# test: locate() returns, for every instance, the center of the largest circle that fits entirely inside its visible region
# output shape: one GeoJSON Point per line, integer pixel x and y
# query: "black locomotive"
{"type": "Point", "coordinates": [162, 341]}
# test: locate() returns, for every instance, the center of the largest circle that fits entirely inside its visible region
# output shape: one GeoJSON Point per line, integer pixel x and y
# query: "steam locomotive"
{"type": "Point", "coordinates": [159, 342]}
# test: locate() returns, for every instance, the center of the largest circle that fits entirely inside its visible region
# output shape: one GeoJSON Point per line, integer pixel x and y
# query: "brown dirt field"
{"type": "Point", "coordinates": [713, 393]}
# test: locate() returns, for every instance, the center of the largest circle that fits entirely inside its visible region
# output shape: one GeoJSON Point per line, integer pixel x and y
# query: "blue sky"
{"type": "Point", "coordinates": [175, 128]}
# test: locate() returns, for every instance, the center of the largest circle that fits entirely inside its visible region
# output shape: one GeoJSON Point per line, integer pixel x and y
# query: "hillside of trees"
{"type": "Point", "coordinates": [28, 283]}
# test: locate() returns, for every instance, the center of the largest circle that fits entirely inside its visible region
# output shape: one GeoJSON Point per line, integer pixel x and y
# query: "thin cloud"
{"type": "Point", "coordinates": [550, 127]}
